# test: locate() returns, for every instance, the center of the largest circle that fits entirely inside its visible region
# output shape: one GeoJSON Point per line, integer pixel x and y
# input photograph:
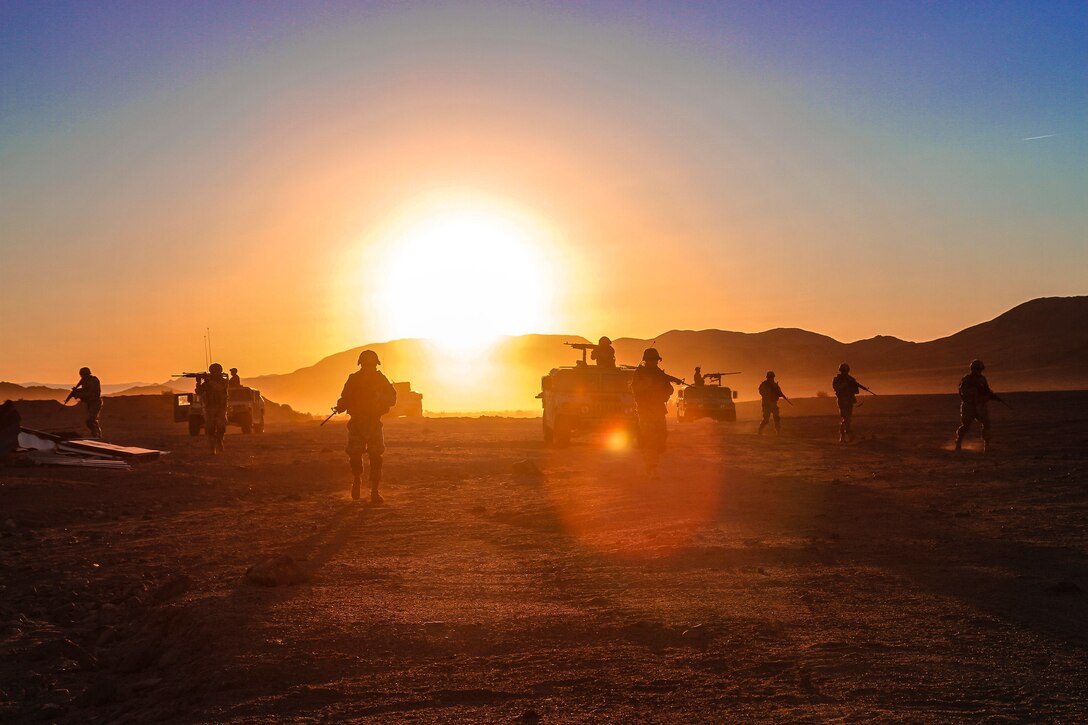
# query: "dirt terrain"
{"type": "Point", "coordinates": [776, 579]}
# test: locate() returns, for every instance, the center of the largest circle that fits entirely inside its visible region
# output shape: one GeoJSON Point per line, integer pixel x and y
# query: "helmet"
{"type": "Point", "coordinates": [698, 368]}
{"type": "Point", "coordinates": [84, 372]}
{"type": "Point", "coordinates": [977, 365]}
{"type": "Point", "coordinates": [651, 353]}
{"type": "Point", "coordinates": [234, 370]}
{"type": "Point", "coordinates": [770, 374]}
{"type": "Point", "coordinates": [604, 340]}
{"type": "Point", "coordinates": [844, 368]}
{"type": "Point", "coordinates": [369, 356]}
{"type": "Point", "coordinates": [215, 369]}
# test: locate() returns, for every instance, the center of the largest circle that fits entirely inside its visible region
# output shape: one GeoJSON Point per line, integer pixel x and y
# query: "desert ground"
{"type": "Point", "coordinates": [782, 578]}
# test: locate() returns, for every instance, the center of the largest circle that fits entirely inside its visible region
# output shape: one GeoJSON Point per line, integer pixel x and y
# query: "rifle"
{"type": "Point", "coordinates": [866, 389]}
{"type": "Point", "coordinates": [671, 379]}
{"type": "Point", "coordinates": [72, 392]}
{"type": "Point", "coordinates": [334, 412]}
{"type": "Point", "coordinates": [196, 376]}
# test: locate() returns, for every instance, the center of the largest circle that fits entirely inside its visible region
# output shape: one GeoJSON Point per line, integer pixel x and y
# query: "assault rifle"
{"type": "Point", "coordinates": [334, 412]}
{"type": "Point", "coordinates": [72, 392]}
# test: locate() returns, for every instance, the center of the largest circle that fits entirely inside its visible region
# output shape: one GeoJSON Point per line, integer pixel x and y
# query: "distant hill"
{"type": "Point", "coordinates": [505, 377]}
{"type": "Point", "coordinates": [14, 391]}
{"type": "Point", "coordinates": [1039, 345]}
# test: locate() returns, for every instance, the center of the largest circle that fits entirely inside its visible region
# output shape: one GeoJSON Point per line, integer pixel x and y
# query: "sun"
{"type": "Point", "coordinates": [463, 276]}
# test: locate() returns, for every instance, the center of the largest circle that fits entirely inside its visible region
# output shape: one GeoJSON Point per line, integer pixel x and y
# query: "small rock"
{"type": "Point", "coordinates": [526, 468]}
{"type": "Point", "coordinates": [147, 684]}
{"type": "Point", "coordinates": [529, 716]}
{"type": "Point", "coordinates": [275, 572]}
{"type": "Point", "coordinates": [51, 708]}
{"type": "Point", "coordinates": [102, 692]}
{"type": "Point", "coordinates": [106, 637]}
{"type": "Point", "coordinates": [173, 588]}
{"type": "Point", "coordinates": [1063, 589]}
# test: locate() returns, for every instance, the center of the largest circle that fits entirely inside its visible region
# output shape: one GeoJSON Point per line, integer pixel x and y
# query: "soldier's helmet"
{"type": "Point", "coordinates": [651, 353]}
{"type": "Point", "coordinates": [977, 365]}
{"type": "Point", "coordinates": [215, 369]}
{"type": "Point", "coordinates": [770, 374]}
{"type": "Point", "coordinates": [369, 356]}
{"type": "Point", "coordinates": [698, 369]}
{"type": "Point", "coordinates": [233, 370]}
{"type": "Point", "coordinates": [604, 341]}
{"type": "Point", "coordinates": [84, 372]}
{"type": "Point", "coordinates": [844, 368]}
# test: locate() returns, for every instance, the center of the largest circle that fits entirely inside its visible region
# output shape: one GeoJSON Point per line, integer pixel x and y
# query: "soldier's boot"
{"type": "Point", "coordinates": [985, 445]}
{"type": "Point", "coordinates": [375, 479]}
{"type": "Point", "coordinates": [357, 475]}
{"type": "Point", "coordinates": [959, 443]}
{"type": "Point", "coordinates": [761, 427]}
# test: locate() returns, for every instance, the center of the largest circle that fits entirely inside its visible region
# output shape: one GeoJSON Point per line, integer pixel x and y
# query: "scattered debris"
{"type": "Point", "coordinates": [49, 449]}
{"type": "Point", "coordinates": [276, 572]}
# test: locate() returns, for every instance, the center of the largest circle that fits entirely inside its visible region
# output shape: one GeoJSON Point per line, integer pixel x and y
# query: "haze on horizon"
{"type": "Point", "coordinates": [306, 178]}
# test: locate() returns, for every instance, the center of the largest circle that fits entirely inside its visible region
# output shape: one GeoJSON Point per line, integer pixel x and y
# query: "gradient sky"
{"type": "Point", "coordinates": [853, 168]}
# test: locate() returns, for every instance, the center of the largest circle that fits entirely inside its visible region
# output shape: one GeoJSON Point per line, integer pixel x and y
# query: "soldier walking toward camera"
{"type": "Point", "coordinates": [604, 354]}
{"type": "Point", "coordinates": [89, 391]}
{"type": "Point", "coordinates": [846, 391]}
{"type": "Point", "coordinates": [652, 388]}
{"type": "Point", "coordinates": [212, 389]}
{"type": "Point", "coordinates": [769, 393]}
{"type": "Point", "coordinates": [367, 396]}
{"type": "Point", "coordinates": [975, 393]}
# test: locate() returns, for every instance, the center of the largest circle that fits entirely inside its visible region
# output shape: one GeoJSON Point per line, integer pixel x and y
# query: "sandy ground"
{"type": "Point", "coordinates": [774, 579]}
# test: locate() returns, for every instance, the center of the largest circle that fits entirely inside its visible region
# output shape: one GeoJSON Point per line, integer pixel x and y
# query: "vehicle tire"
{"type": "Point", "coordinates": [258, 427]}
{"type": "Point", "coordinates": [246, 423]}
{"type": "Point", "coordinates": [194, 426]}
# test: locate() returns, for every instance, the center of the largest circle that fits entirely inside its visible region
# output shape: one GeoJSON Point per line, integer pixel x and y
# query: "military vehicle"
{"type": "Point", "coordinates": [245, 408]}
{"type": "Point", "coordinates": [709, 400]}
{"type": "Point", "coordinates": [582, 399]}
{"type": "Point", "coordinates": [409, 403]}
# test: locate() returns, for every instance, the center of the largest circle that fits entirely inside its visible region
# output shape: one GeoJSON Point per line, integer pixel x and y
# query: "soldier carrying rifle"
{"type": "Point", "coordinates": [652, 387]}
{"type": "Point", "coordinates": [367, 396]}
{"type": "Point", "coordinates": [975, 393]}
{"type": "Point", "coordinates": [846, 391]}
{"type": "Point", "coordinates": [769, 393]}
{"type": "Point", "coordinates": [212, 387]}
{"type": "Point", "coordinates": [89, 391]}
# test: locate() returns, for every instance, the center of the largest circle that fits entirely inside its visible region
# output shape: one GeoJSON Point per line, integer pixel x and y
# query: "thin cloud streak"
{"type": "Point", "coordinates": [1036, 138]}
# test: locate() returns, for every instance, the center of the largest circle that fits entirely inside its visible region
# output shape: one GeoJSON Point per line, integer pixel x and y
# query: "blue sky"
{"type": "Point", "coordinates": [855, 168]}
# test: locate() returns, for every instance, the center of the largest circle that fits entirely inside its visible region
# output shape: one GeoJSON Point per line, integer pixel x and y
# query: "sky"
{"type": "Point", "coordinates": [294, 176]}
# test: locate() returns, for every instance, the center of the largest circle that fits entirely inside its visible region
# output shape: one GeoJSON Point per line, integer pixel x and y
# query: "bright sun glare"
{"type": "Point", "coordinates": [465, 276]}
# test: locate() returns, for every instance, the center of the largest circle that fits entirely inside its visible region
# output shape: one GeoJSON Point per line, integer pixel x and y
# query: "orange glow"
{"type": "Point", "coordinates": [622, 512]}
{"type": "Point", "coordinates": [618, 440]}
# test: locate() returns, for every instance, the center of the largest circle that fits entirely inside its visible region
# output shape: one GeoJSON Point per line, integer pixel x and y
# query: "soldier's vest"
{"type": "Point", "coordinates": [971, 389]}
{"type": "Point", "coordinates": [214, 392]}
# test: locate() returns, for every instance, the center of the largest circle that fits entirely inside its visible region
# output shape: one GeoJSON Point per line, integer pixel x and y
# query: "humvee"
{"type": "Point", "coordinates": [583, 399]}
{"type": "Point", "coordinates": [710, 400]}
{"type": "Point", "coordinates": [409, 403]}
{"type": "Point", "coordinates": [245, 409]}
